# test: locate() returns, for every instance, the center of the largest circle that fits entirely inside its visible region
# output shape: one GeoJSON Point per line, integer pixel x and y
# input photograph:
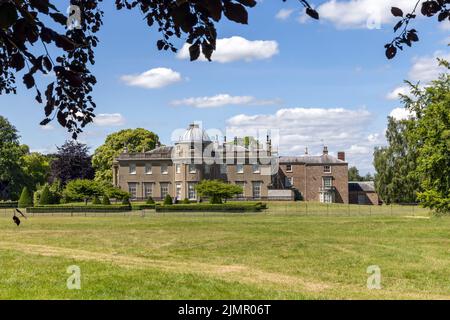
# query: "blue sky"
{"type": "Point", "coordinates": [324, 82]}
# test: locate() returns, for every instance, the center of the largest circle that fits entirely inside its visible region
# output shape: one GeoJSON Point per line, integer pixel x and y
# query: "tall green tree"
{"type": "Point", "coordinates": [217, 190]}
{"type": "Point", "coordinates": [136, 140]}
{"type": "Point", "coordinates": [431, 105]}
{"type": "Point", "coordinates": [11, 174]}
{"type": "Point", "coordinates": [395, 179]}
{"type": "Point", "coordinates": [36, 169]}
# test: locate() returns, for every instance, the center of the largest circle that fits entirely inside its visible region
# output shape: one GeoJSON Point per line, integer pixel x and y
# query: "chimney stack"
{"type": "Point", "coordinates": [325, 150]}
{"type": "Point", "coordinates": [341, 155]}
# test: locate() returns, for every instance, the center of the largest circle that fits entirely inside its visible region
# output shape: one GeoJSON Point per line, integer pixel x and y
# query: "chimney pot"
{"type": "Point", "coordinates": [325, 150]}
{"type": "Point", "coordinates": [341, 155]}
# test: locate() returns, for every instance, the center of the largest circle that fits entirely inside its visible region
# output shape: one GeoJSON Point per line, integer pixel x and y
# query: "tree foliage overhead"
{"type": "Point", "coordinates": [136, 140]}
{"type": "Point", "coordinates": [29, 28]}
{"type": "Point", "coordinates": [353, 175]}
{"type": "Point", "coordinates": [72, 161]}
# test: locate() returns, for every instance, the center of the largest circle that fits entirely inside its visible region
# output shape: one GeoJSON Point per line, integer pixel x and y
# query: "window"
{"type": "Point", "coordinates": [326, 169]}
{"type": "Point", "coordinates": [223, 169]}
{"type": "Point", "coordinates": [132, 190]}
{"type": "Point", "coordinates": [289, 168]}
{"type": "Point", "coordinates": [178, 168]}
{"type": "Point", "coordinates": [256, 188]}
{"type": "Point", "coordinates": [240, 168]}
{"type": "Point", "coordinates": [132, 168]}
{"type": "Point", "coordinates": [207, 169]}
{"type": "Point", "coordinates": [192, 168]}
{"type": "Point", "coordinates": [255, 168]}
{"type": "Point", "coordinates": [164, 169]}
{"type": "Point", "coordinates": [192, 194]}
{"type": "Point", "coordinates": [178, 191]}
{"type": "Point", "coordinates": [148, 168]}
{"type": "Point", "coordinates": [242, 185]}
{"type": "Point", "coordinates": [327, 182]}
{"type": "Point", "coordinates": [148, 190]}
{"type": "Point", "coordinates": [289, 182]}
{"type": "Point", "coordinates": [164, 189]}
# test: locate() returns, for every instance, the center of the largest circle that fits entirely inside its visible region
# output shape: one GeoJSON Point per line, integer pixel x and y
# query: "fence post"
{"type": "Point", "coordinates": [328, 209]}
{"type": "Point", "coordinates": [391, 210]}
{"type": "Point", "coordinates": [306, 209]}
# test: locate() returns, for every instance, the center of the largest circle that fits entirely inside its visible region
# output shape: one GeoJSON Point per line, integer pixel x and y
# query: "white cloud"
{"type": "Point", "coordinates": [361, 13]}
{"type": "Point", "coordinates": [284, 14]}
{"type": "Point", "coordinates": [401, 114]}
{"type": "Point", "coordinates": [427, 68]}
{"type": "Point", "coordinates": [445, 25]}
{"type": "Point", "coordinates": [395, 94]}
{"type": "Point", "coordinates": [222, 100]}
{"type": "Point", "coordinates": [237, 48]}
{"type": "Point", "coordinates": [47, 127]}
{"type": "Point", "coordinates": [153, 78]}
{"type": "Point", "coordinates": [424, 70]}
{"type": "Point", "coordinates": [112, 119]}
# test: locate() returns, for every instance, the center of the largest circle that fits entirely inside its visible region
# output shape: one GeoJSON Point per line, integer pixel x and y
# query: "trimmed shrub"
{"type": "Point", "coordinates": [186, 201]}
{"type": "Point", "coordinates": [150, 201]}
{"type": "Point", "coordinates": [143, 206]}
{"type": "Point", "coordinates": [96, 200]}
{"type": "Point", "coordinates": [105, 201]}
{"type": "Point", "coordinates": [45, 197]}
{"type": "Point", "coordinates": [168, 200]}
{"type": "Point", "coordinates": [226, 207]}
{"type": "Point", "coordinates": [78, 209]}
{"type": "Point", "coordinates": [126, 200]}
{"type": "Point", "coordinates": [25, 200]}
{"type": "Point", "coordinates": [8, 204]}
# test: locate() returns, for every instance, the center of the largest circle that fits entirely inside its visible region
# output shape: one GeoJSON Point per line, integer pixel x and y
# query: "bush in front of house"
{"type": "Point", "coordinates": [217, 190]}
{"type": "Point", "coordinates": [25, 200]}
{"type": "Point", "coordinates": [150, 201]}
{"type": "Point", "coordinates": [207, 207]}
{"type": "Point", "coordinates": [143, 206]}
{"type": "Point", "coordinates": [168, 200]}
{"type": "Point", "coordinates": [126, 200]}
{"type": "Point", "coordinates": [186, 201]}
{"type": "Point", "coordinates": [9, 204]}
{"type": "Point", "coordinates": [105, 201]}
{"type": "Point", "coordinates": [96, 200]}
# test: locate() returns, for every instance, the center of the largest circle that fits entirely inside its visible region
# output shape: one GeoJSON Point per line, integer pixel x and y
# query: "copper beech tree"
{"type": "Point", "coordinates": [29, 27]}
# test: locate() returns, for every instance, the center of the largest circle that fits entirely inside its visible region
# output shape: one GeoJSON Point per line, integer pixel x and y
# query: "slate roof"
{"type": "Point", "coordinates": [364, 186]}
{"type": "Point", "coordinates": [307, 159]}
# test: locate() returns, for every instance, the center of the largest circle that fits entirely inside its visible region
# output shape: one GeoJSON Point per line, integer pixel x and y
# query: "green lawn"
{"type": "Point", "coordinates": [273, 255]}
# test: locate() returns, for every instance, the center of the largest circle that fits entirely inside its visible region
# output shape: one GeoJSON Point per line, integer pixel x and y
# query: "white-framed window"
{"type": "Point", "coordinates": [132, 168]}
{"type": "Point", "coordinates": [192, 168]}
{"type": "Point", "coordinates": [148, 189]}
{"type": "Point", "coordinates": [192, 193]}
{"type": "Point", "coordinates": [178, 168]}
{"type": "Point", "coordinates": [327, 182]}
{"type": "Point", "coordinates": [326, 169]}
{"type": "Point", "coordinates": [164, 189]}
{"type": "Point", "coordinates": [148, 168]}
{"type": "Point", "coordinates": [289, 181]}
{"type": "Point", "coordinates": [132, 189]}
{"type": "Point", "coordinates": [239, 168]}
{"type": "Point", "coordinates": [164, 169]}
{"type": "Point", "coordinates": [256, 168]}
{"type": "Point", "coordinates": [289, 168]}
{"type": "Point", "coordinates": [242, 185]}
{"type": "Point", "coordinates": [178, 191]}
{"type": "Point", "coordinates": [223, 169]}
{"type": "Point", "coordinates": [256, 189]}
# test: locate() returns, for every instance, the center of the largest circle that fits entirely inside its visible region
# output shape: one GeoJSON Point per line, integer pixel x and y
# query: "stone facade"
{"type": "Point", "coordinates": [175, 170]}
{"type": "Point", "coordinates": [363, 192]}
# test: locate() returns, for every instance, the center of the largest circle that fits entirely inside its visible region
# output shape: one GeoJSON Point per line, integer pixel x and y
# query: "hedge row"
{"type": "Point", "coordinates": [142, 206]}
{"type": "Point", "coordinates": [8, 204]}
{"type": "Point", "coordinates": [226, 207]}
{"type": "Point", "coordinates": [76, 209]}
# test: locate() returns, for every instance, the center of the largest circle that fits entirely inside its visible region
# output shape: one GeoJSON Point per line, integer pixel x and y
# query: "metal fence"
{"type": "Point", "coordinates": [274, 208]}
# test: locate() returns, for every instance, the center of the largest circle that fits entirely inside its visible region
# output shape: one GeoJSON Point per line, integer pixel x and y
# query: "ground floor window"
{"type": "Point", "coordinates": [178, 191]}
{"type": "Point", "coordinates": [256, 186]}
{"type": "Point", "coordinates": [326, 197]}
{"type": "Point", "coordinates": [132, 190]}
{"type": "Point", "coordinates": [164, 189]}
{"type": "Point", "coordinates": [192, 193]}
{"type": "Point", "coordinates": [148, 190]}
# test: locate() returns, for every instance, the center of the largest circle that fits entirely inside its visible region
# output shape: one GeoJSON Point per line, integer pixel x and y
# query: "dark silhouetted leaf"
{"type": "Point", "coordinates": [8, 15]}
{"type": "Point", "coordinates": [194, 51]}
{"type": "Point", "coordinates": [28, 80]}
{"type": "Point", "coordinates": [396, 12]}
{"type": "Point", "coordinates": [248, 3]}
{"type": "Point", "coordinates": [236, 12]}
{"type": "Point", "coordinates": [312, 13]}
{"type": "Point", "coordinates": [391, 51]}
